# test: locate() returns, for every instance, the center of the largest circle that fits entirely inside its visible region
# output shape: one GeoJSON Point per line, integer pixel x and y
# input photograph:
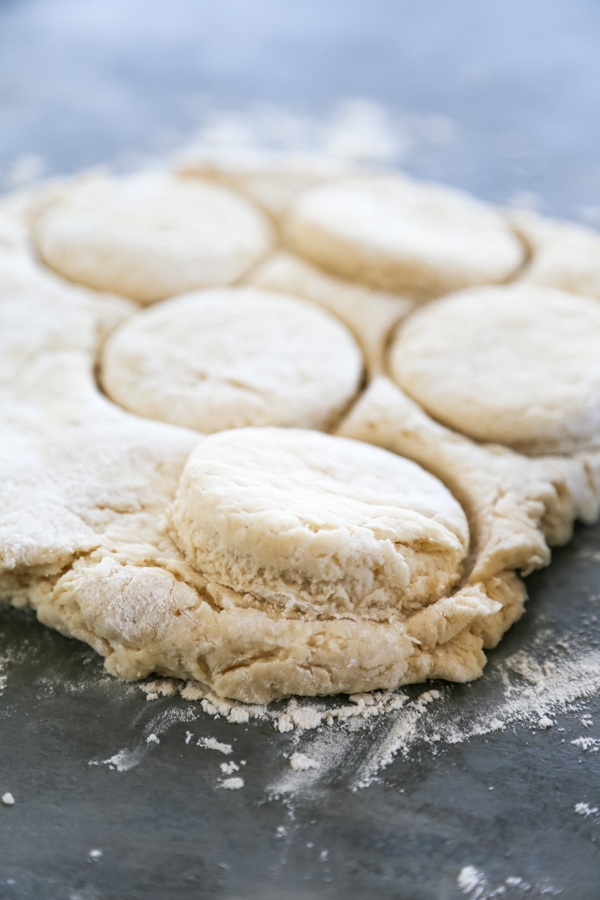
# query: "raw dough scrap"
{"type": "Point", "coordinates": [396, 234]}
{"type": "Point", "coordinates": [564, 255]}
{"type": "Point", "coordinates": [318, 525]}
{"type": "Point", "coordinates": [151, 235]}
{"type": "Point", "coordinates": [518, 365]}
{"type": "Point", "coordinates": [516, 506]}
{"type": "Point", "coordinates": [229, 357]}
{"type": "Point", "coordinates": [369, 313]}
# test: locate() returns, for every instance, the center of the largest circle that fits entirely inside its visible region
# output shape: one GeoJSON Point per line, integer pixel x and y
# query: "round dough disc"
{"type": "Point", "coordinates": [318, 525]}
{"type": "Point", "coordinates": [151, 236]}
{"type": "Point", "coordinates": [518, 365]}
{"type": "Point", "coordinates": [229, 357]}
{"type": "Point", "coordinates": [395, 234]}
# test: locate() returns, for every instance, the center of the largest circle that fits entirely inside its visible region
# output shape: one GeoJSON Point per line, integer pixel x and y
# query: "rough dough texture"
{"type": "Point", "coordinates": [229, 357]}
{"type": "Point", "coordinates": [150, 236]}
{"type": "Point", "coordinates": [518, 365]}
{"type": "Point", "coordinates": [517, 507]}
{"type": "Point", "coordinates": [369, 313]}
{"type": "Point", "coordinates": [393, 233]}
{"type": "Point", "coordinates": [91, 494]}
{"type": "Point", "coordinates": [318, 525]}
{"type": "Point", "coordinates": [564, 255]}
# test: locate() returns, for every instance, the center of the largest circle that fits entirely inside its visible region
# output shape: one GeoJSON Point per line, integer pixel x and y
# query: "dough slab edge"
{"type": "Point", "coordinates": [76, 580]}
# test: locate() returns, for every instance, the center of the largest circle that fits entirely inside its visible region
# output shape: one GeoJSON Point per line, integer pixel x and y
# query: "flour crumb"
{"type": "Point", "coordinates": [587, 744]}
{"type": "Point", "coordinates": [192, 691]}
{"type": "Point", "coordinates": [161, 687]}
{"type": "Point", "coordinates": [188, 736]}
{"type": "Point", "coordinates": [471, 881]}
{"type": "Point", "coordinates": [232, 784]}
{"type": "Point", "coordinates": [301, 717]}
{"type": "Point", "coordinates": [238, 715]}
{"type": "Point", "coordinates": [8, 799]}
{"type": "Point", "coordinates": [586, 721]}
{"type": "Point", "coordinates": [323, 855]}
{"type": "Point", "coordinates": [300, 762]}
{"type": "Point", "coordinates": [545, 722]}
{"type": "Point", "coordinates": [210, 743]}
{"type": "Point", "coordinates": [152, 739]}
{"type": "Point", "coordinates": [583, 809]}
{"type": "Point", "coordinates": [3, 680]}
{"type": "Point", "coordinates": [95, 855]}
{"type": "Point", "coordinates": [229, 768]}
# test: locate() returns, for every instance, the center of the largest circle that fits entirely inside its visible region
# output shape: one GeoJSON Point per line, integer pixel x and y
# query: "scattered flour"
{"type": "Point", "coordinates": [153, 739]}
{"type": "Point", "coordinates": [229, 768]}
{"type": "Point", "coordinates": [474, 883]}
{"type": "Point", "coordinates": [584, 809]}
{"type": "Point", "coordinates": [124, 760]}
{"type": "Point", "coordinates": [587, 744]}
{"type": "Point", "coordinates": [213, 744]}
{"type": "Point", "coordinates": [95, 855]}
{"type": "Point", "coordinates": [301, 762]}
{"type": "Point", "coordinates": [232, 784]}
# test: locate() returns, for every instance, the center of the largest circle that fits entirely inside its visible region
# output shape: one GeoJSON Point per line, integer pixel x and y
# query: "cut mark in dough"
{"type": "Point", "coordinates": [231, 357]}
{"type": "Point", "coordinates": [150, 236]}
{"type": "Point", "coordinates": [392, 233]}
{"type": "Point", "coordinates": [318, 525]}
{"type": "Point", "coordinates": [517, 365]}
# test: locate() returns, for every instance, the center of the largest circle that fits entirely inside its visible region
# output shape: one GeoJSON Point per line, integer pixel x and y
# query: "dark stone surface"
{"type": "Point", "coordinates": [82, 83]}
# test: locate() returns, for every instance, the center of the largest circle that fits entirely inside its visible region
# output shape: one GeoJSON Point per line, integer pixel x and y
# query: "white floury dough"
{"type": "Point", "coordinates": [369, 313]}
{"type": "Point", "coordinates": [390, 232]}
{"type": "Point", "coordinates": [229, 357]}
{"type": "Point", "coordinates": [89, 534]}
{"type": "Point", "coordinates": [517, 507]}
{"type": "Point", "coordinates": [564, 255]}
{"type": "Point", "coordinates": [519, 365]}
{"type": "Point", "coordinates": [319, 525]}
{"type": "Point", "coordinates": [150, 236]}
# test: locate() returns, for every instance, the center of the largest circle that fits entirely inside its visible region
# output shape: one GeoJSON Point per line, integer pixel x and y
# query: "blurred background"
{"type": "Point", "coordinates": [501, 97]}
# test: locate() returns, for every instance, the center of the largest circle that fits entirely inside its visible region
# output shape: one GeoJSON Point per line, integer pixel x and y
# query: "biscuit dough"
{"type": "Point", "coordinates": [398, 235]}
{"type": "Point", "coordinates": [564, 255]}
{"type": "Point", "coordinates": [518, 365]}
{"type": "Point", "coordinates": [229, 357]}
{"type": "Point", "coordinates": [150, 236]}
{"type": "Point", "coordinates": [318, 525]}
{"type": "Point", "coordinates": [369, 313]}
{"type": "Point", "coordinates": [110, 532]}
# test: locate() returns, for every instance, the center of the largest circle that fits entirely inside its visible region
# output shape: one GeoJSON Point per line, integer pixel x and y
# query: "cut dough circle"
{"type": "Point", "coordinates": [395, 234]}
{"type": "Point", "coordinates": [316, 525]}
{"type": "Point", "coordinates": [230, 357]}
{"type": "Point", "coordinates": [516, 365]}
{"type": "Point", "coordinates": [151, 236]}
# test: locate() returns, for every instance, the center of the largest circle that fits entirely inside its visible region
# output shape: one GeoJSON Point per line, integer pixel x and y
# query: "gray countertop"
{"type": "Point", "coordinates": [500, 98]}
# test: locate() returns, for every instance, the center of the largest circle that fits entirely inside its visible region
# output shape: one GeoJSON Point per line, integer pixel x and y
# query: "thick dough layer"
{"type": "Point", "coordinates": [564, 255]}
{"type": "Point", "coordinates": [229, 357]}
{"type": "Point", "coordinates": [150, 236]}
{"type": "Point", "coordinates": [518, 365]}
{"type": "Point", "coordinates": [318, 525]}
{"type": "Point", "coordinates": [390, 232]}
{"type": "Point", "coordinates": [85, 539]}
{"type": "Point", "coordinates": [517, 507]}
{"type": "Point", "coordinates": [369, 313]}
